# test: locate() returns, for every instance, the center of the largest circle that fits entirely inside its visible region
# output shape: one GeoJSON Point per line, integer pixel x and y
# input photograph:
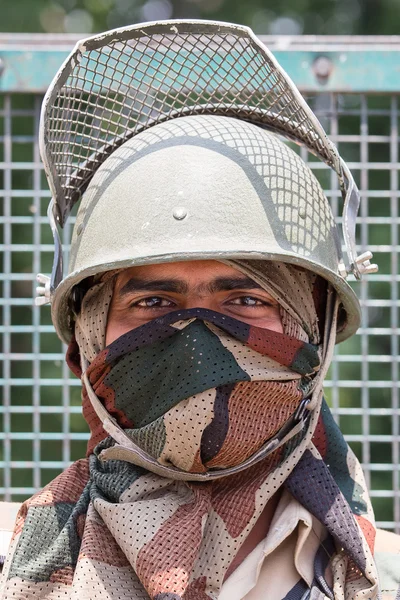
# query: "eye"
{"type": "Point", "coordinates": [153, 302]}
{"type": "Point", "coordinates": [249, 301]}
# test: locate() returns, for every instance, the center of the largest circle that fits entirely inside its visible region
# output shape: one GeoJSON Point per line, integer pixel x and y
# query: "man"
{"type": "Point", "coordinates": [205, 293]}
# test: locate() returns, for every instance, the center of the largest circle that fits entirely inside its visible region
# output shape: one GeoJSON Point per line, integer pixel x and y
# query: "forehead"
{"type": "Point", "coordinates": [191, 271]}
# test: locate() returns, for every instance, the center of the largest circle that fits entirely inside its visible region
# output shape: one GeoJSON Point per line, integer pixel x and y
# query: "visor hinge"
{"type": "Point", "coordinates": [364, 266]}
{"type": "Point", "coordinates": [43, 291]}
{"type": "Point", "coordinates": [361, 267]}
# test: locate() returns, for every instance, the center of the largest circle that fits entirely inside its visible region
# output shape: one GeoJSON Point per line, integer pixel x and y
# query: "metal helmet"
{"type": "Point", "coordinates": [167, 128]}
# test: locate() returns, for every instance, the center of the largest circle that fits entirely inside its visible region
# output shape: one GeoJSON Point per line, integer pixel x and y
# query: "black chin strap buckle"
{"type": "Point", "coordinates": [300, 416]}
{"type": "Point", "coordinates": [301, 412]}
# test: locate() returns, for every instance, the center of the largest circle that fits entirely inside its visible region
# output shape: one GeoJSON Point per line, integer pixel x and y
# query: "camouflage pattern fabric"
{"type": "Point", "coordinates": [107, 529]}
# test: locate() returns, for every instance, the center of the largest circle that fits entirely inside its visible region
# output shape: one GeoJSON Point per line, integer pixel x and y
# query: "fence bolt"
{"type": "Point", "coordinates": [322, 67]}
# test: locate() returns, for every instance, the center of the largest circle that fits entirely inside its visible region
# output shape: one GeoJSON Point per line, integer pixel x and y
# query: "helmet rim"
{"type": "Point", "coordinates": [61, 309]}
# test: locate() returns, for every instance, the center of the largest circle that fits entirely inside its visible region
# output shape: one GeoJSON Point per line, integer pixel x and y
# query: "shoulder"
{"type": "Point", "coordinates": [8, 514]}
{"type": "Point", "coordinates": [387, 558]}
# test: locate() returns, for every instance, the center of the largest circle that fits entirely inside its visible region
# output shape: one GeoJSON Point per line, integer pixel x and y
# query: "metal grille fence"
{"type": "Point", "coordinates": [41, 428]}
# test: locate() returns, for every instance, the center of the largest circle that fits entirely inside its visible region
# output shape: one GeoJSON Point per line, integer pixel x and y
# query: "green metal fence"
{"type": "Point", "coordinates": [353, 84]}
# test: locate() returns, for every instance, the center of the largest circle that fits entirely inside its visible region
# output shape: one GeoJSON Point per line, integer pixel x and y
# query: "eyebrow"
{"type": "Point", "coordinates": [226, 284]}
{"type": "Point", "coordinates": [179, 286]}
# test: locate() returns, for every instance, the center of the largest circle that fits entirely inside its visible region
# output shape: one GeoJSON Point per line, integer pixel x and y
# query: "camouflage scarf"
{"type": "Point", "coordinates": [191, 397]}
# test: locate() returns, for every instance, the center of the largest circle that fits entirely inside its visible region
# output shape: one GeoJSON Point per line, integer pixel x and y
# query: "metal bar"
{"type": "Point", "coordinates": [7, 295]}
{"type": "Point", "coordinates": [35, 309]}
{"type": "Point", "coordinates": [366, 456]}
{"type": "Point", "coordinates": [394, 186]}
{"type": "Point", "coordinates": [30, 435]}
{"type": "Point", "coordinates": [367, 66]}
{"type": "Point", "coordinates": [42, 409]}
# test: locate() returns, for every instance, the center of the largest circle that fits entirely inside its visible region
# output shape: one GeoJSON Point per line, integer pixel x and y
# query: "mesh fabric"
{"type": "Point", "coordinates": [110, 529]}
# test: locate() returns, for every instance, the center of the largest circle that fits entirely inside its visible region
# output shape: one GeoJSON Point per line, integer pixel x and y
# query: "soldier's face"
{"type": "Point", "coordinates": [147, 292]}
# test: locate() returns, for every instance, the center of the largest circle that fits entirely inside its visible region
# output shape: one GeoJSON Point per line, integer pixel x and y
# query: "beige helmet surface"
{"type": "Point", "coordinates": [203, 187]}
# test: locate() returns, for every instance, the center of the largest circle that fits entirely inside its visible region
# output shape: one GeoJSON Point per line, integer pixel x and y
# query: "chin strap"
{"type": "Point", "coordinates": [48, 284]}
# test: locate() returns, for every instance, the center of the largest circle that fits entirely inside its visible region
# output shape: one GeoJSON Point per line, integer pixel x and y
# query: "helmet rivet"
{"type": "Point", "coordinates": [302, 213]}
{"type": "Point", "coordinates": [80, 229]}
{"type": "Point", "coordinates": [179, 213]}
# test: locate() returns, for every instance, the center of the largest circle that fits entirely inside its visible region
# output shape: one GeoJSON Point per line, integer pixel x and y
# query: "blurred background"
{"type": "Point", "coordinates": [272, 17]}
{"type": "Point", "coordinates": [41, 428]}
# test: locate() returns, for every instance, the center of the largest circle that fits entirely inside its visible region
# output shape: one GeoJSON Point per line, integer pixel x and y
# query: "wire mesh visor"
{"type": "Point", "coordinates": [119, 83]}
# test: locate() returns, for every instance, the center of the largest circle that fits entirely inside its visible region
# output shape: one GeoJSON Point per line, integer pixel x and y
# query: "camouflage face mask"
{"type": "Point", "coordinates": [198, 390]}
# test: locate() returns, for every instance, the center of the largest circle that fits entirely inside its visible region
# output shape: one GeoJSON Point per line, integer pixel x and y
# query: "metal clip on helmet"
{"type": "Point", "coordinates": [169, 131]}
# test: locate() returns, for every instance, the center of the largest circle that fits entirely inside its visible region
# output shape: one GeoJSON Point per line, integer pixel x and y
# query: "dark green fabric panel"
{"type": "Point", "coordinates": [110, 478]}
{"type": "Point", "coordinates": [48, 542]}
{"type": "Point", "coordinates": [150, 381]}
{"type": "Point", "coordinates": [336, 459]}
{"type": "Point", "coordinates": [151, 437]}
